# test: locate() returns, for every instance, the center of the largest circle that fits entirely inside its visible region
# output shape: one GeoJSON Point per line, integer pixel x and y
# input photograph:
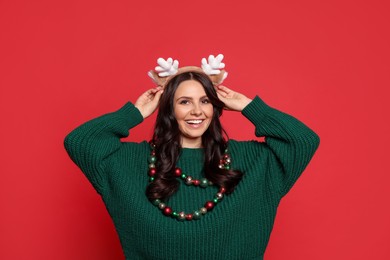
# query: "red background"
{"type": "Point", "coordinates": [325, 62]}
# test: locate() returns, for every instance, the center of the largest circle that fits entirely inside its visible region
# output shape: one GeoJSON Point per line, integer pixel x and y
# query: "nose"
{"type": "Point", "coordinates": [196, 110]}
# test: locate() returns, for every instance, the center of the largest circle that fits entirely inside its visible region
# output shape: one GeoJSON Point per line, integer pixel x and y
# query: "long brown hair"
{"type": "Point", "coordinates": [166, 138]}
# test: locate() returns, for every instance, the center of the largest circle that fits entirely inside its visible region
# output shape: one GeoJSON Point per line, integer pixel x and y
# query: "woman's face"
{"type": "Point", "coordinates": [193, 112]}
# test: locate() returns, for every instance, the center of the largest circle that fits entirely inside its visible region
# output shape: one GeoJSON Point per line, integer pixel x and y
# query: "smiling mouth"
{"type": "Point", "coordinates": [194, 122]}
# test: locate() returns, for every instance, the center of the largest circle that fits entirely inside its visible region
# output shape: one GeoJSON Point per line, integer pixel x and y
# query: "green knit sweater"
{"type": "Point", "coordinates": [238, 227]}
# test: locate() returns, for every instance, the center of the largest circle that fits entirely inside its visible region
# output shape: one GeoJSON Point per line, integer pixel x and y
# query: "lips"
{"type": "Point", "coordinates": [194, 122]}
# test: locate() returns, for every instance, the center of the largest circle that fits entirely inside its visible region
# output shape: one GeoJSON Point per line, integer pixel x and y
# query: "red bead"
{"type": "Point", "coordinates": [209, 205]}
{"type": "Point", "coordinates": [189, 217]}
{"type": "Point", "coordinates": [153, 153]}
{"type": "Point", "coordinates": [222, 190]}
{"type": "Point", "coordinates": [196, 182]}
{"type": "Point", "coordinates": [225, 156]}
{"type": "Point", "coordinates": [152, 171]}
{"type": "Point", "coordinates": [167, 211]}
{"type": "Point", "coordinates": [177, 172]}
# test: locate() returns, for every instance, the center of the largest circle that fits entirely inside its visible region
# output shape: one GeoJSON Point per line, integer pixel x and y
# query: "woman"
{"type": "Point", "coordinates": [190, 194]}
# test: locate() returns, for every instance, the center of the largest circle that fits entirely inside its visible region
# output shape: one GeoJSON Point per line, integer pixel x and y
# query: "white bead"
{"type": "Point", "coordinates": [189, 180]}
{"type": "Point", "coordinates": [219, 195]}
{"type": "Point", "coordinates": [182, 215]}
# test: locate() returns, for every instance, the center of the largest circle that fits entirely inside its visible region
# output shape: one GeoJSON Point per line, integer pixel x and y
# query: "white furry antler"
{"type": "Point", "coordinates": [166, 70]}
{"type": "Point", "coordinates": [167, 67]}
{"type": "Point", "coordinates": [214, 64]}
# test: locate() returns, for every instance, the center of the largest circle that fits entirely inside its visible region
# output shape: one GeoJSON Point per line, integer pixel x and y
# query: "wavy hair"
{"type": "Point", "coordinates": [167, 138]}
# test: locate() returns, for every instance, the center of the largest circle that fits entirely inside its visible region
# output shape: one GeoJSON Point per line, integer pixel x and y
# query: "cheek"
{"type": "Point", "coordinates": [179, 113]}
{"type": "Point", "coordinates": [176, 112]}
{"type": "Point", "coordinates": [210, 112]}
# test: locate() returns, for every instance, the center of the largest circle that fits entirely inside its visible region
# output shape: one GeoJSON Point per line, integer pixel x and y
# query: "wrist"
{"type": "Point", "coordinates": [140, 111]}
{"type": "Point", "coordinates": [244, 103]}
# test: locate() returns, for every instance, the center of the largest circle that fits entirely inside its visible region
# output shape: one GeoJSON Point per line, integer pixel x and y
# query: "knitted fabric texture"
{"type": "Point", "coordinates": [239, 226]}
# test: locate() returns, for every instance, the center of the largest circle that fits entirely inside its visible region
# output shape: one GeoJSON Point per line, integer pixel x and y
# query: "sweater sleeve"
{"type": "Point", "coordinates": [92, 142]}
{"type": "Point", "coordinates": [291, 143]}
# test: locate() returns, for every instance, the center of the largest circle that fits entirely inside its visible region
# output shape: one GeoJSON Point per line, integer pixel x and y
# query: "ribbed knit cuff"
{"type": "Point", "coordinates": [131, 114]}
{"type": "Point", "coordinates": [256, 110]}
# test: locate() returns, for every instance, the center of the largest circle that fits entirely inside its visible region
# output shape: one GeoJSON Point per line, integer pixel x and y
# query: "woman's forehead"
{"type": "Point", "coordinates": [190, 88]}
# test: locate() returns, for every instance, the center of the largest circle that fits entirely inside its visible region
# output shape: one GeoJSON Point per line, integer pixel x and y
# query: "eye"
{"type": "Point", "coordinates": [184, 102]}
{"type": "Point", "coordinates": [206, 101]}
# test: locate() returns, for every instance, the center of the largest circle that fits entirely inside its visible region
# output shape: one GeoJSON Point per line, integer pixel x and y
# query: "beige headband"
{"type": "Point", "coordinates": [167, 69]}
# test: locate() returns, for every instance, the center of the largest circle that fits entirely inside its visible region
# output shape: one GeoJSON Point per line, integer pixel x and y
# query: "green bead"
{"type": "Point", "coordinates": [215, 200]}
{"type": "Point", "coordinates": [196, 215]}
{"type": "Point", "coordinates": [151, 179]}
{"type": "Point", "coordinates": [156, 202]}
{"type": "Point", "coordinates": [175, 214]}
{"type": "Point", "coordinates": [183, 176]}
{"type": "Point", "coordinates": [152, 159]}
{"type": "Point", "coordinates": [227, 167]}
{"type": "Point", "coordinates": [204, 182]}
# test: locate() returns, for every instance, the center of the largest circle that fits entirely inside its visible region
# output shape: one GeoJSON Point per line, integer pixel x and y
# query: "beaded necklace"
{"type": "Point", "coordinates": [188, 180]}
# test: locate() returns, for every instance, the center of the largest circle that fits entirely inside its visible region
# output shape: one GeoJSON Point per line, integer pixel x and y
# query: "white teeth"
{"type": "Point", "coordinates": [194, 121]}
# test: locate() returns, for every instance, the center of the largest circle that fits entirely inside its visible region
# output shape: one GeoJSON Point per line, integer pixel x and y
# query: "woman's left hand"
{"type": "Point", "coordinates": [233, 100]}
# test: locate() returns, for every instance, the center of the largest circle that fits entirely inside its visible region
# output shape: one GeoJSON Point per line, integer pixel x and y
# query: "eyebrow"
{"type": "Point", "coordinates": [185, 97]}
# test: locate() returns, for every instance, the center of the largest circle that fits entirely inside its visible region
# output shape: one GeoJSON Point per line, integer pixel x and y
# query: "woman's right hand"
{"type": "Point", "coordinates": [147, 103]}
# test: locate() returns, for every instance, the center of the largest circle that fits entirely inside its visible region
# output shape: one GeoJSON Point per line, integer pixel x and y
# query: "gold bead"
{"type": "Point", "coordinates": [203, 210]}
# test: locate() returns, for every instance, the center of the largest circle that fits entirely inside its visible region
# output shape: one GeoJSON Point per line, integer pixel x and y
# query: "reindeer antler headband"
{"type": "Point", "coordinates": [169, 68]}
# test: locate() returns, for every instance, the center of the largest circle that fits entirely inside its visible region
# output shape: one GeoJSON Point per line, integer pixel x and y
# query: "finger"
{"type": "Point", "coordinates": [144, 97]}
{"type": "Point", "coordinates": [223, 88]}
{"type": "Point", "coordinates": [155, 90]}
{"type": "Point", "coordinates": [224, 100]}
{"type": "Point", "coordinates": [222, 93]}
{"type": "Point", "coordinates": [157, 96]}
{"type": "Point", "coordinates": [220, 96]}
{"type": "Point", "coordinates": [152, 90]}
{"type": "Point", "coordinates": [204, 61]}
{"type": "Point", "coordinates": [148, 94]}
{"type": "Point", "coordinates": [222, 65]}
{"type": "Point", "coordinates": [226, 93]}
